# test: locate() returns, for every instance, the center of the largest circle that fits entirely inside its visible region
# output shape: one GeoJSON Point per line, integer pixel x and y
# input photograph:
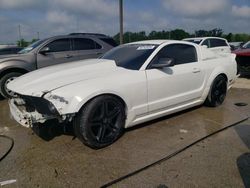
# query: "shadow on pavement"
{"type": "Point", "coordinates": [51, 129]}
{"type": "Point", "coordinates": [1, 98]}
{"type": "Point", "coordinates": [245, 75]}
{"type": "Point", "coordinates": [148, 123]}
{"type": "Point", "coordinates": [243, 161]}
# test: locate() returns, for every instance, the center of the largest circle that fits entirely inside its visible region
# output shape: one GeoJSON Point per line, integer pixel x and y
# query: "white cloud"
{"type": "Point", "coordinates": [54, 17]}
{"type": "Point", "coordinates": [145, 21]}
{"type": "Point", "coordinates": [242, 11]}
{"type": "Point", "coordinates": [59, 17]}
{"type": "Point", "coordinates": [194, 8]}
{"type": "Point", "coordinates": [96, 8]}
{"type": "Point", "coordinates": [20, 4]}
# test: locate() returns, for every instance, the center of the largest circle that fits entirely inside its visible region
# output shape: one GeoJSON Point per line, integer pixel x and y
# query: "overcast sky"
{"type": "Point", "coordinates": [53, 17]}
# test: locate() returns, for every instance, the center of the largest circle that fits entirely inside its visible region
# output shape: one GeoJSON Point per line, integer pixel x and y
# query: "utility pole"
{"type": "Point", "coordinates": [121, 20]}
{"type": "Point", "coordinates": [38, 35]}
{"type": "Point", "coordinates": [77, 24]}
{"type": "Point", "coordinates": [20, 37]}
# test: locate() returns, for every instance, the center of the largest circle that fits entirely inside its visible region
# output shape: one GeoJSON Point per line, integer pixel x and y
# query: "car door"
{"type": "Point", "coordinates": [172, 86]}
{"type": "Point", "coordinates": [86, 48]}
{"type": "Point", "coordinates": [58, 51]}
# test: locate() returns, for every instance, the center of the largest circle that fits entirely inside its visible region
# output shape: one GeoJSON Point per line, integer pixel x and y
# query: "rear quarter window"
{"type": "Point", "coordinates": [217, 43]}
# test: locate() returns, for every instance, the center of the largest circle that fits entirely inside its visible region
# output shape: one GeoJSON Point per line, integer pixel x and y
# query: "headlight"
{"type": "Point", "coordinates": [39, 104]}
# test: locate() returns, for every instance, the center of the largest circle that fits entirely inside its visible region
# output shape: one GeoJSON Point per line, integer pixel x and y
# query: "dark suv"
{"type": "Point", "coordinates": [10, 50]}
{"type": "Point", "coordinates": [52, 51]}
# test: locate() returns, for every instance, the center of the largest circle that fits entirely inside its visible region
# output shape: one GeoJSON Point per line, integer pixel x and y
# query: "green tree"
{"type": "Point", "coordinates": [229, 37]}
{"type": "Point", "coordinates": [22, 43]}
{"type": "Point", "coordinates": [179, 34]}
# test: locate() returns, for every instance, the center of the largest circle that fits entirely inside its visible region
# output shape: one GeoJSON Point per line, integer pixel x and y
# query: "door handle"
{"type": "Point", "coordinates": [68, 56]}
{"type": "Point", "coordinates": [196, 70]}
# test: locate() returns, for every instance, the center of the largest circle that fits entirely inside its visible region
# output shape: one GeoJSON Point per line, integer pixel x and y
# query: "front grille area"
{"type": "Point", "coordinates": [39, 104]}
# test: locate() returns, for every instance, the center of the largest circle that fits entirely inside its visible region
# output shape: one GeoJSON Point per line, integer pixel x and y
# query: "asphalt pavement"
{"type": "Point", "coordinates": [51, 156]}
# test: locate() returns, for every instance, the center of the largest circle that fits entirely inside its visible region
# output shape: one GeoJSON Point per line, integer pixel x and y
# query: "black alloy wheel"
{"type": "Point", "coordinates": [218, 91]}
{"type": "Point", "coordinates": [100, 122]}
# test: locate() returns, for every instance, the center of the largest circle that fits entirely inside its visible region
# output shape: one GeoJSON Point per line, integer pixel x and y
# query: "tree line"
{"type": "Point", "coordinates": [176, 34]}
{"type": "Point", "coordinates": [179, 34]}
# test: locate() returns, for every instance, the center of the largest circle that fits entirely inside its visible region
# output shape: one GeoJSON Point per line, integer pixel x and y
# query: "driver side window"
{"type": "Point", "coordinates": [180, 53]}
{"type": "Point", "coordinates": [59, 45]}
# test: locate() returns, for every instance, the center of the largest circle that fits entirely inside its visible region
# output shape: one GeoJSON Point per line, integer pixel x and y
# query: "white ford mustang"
{"type": "Point", "coordinates": [130, 84]}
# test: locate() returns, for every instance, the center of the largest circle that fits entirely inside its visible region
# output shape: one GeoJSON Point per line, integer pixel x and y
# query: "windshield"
{"type": "Point", "coordinates": [247, 45]}
{"type": "Point", "coordinates": [196, 41]}
{"type": "Point", "coordinates": [130, 56]}
{"type": "Point", "coordinates": [31, 46]}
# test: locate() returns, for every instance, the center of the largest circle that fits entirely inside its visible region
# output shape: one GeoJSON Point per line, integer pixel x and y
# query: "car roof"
{"type": "Point", "coordinates": [202, 38]}
{"type": "Point", "coordinates": [159, 42]}
{"type": "Point", "coordinates": [72, 35]}
{"type": "Point", "coordinates": [156, 42]}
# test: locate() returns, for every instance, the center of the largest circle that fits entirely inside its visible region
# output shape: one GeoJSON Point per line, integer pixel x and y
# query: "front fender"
{"type": "Point", "coordinates": [17, 65]}
{"type": "Point", "coordinates": [71, 105]}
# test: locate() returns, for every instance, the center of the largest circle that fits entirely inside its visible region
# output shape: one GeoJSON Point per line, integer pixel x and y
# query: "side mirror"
{"type": "Point", "coordinates": [44, 50]}
{"type": "Point", "coordinates": [163, 62]}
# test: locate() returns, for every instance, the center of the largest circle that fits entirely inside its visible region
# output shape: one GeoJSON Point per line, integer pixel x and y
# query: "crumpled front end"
{"type": "Point", "coordinates": [28, 110]}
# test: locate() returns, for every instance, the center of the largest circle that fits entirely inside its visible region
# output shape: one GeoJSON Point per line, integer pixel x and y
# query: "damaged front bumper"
{"type": "Point", "coordinates": [28, 110]}
{"type": "Point", "coordinates": [22, 116]}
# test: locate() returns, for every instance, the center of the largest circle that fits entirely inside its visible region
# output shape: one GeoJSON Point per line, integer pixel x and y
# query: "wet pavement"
{"type": "Point", "coordinates": [50, 156]}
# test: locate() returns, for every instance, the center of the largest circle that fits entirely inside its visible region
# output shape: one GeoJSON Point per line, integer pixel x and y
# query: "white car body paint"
{"type": "Point", "coordinates": [147, 93]}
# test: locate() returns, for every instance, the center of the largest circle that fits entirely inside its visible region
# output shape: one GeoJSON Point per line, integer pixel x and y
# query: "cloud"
{"type": "Point", "coordinates": [95, 8]}
{"type": "Point", "coordinates": [193, 8]}
{"type": "Point", "coordinates": [20, 4]}
{"type": "Point", "coordinates": [56, 17]}
{"type": "Point", "coordinates": [145, 21]}
{"type": "Point", "coordinates": [241, 11]}
{"type": "Point", "coordinates": [59, 17]}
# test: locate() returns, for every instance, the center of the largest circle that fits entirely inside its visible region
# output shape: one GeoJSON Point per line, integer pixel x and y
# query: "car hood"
{"type": "Point", "coordinates": [44, 80]}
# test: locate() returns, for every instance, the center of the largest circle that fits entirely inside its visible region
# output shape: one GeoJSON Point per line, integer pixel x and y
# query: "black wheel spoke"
{"type": "Point", "coordinates": [114, 113]}
{"type": "Point", "coordinates": [104, 109]}
{"type": "Point", "coordinates": [111, 128]}
{"type": "Point", "coordinates": [101, 133]}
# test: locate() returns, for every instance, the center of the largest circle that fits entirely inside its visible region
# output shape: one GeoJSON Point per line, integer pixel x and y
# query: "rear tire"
{"type": "Point", "coordinates": [4, 81]}
{"type": "Point", "coordinates": [100, 122]}
{"type": "Point", "coordinates": [217, 93]}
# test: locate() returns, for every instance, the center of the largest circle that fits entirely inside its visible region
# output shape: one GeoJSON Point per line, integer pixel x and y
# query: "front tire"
{"type": "Point", "coordinates": [4, 81]}
{"type": "Point", "coordinates": [218, 92]}
{"type": "Point", "coordinates": [100, 122]}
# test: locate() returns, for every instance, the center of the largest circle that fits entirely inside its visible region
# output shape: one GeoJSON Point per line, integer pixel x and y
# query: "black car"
{"type": "Point", "coordinates": [10, 50]}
